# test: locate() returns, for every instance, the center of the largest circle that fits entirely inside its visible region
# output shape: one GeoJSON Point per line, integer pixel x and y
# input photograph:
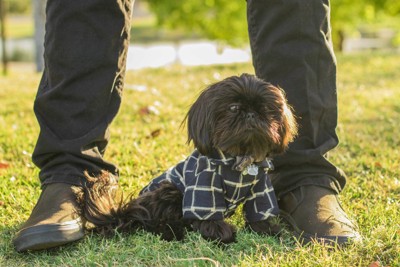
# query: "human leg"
{"type": "Point", "coordinates": [291, 47]}
{"type": "Point", "coordinates": [80, 92]}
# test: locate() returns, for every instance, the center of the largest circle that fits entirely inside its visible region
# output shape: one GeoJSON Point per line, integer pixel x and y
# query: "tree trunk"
{"type": "Point", "coordinates": [3, 36]}
{"type": "Point", "coordinates": [39, 16]}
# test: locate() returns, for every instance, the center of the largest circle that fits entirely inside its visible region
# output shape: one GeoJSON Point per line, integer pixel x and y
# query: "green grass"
{"type": "Point", "coordinates": [369, 102]}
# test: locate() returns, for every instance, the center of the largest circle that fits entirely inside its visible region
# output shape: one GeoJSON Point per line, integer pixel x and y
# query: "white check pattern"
{"type": "Point", "coordinates": [212, 190]}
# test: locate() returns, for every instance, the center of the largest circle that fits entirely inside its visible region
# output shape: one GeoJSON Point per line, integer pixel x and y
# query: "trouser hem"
{"type": "Point", "coordinates": [315, 180]}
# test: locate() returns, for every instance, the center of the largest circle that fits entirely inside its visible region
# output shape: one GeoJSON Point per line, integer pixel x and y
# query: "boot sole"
{"type": "Point", "coordinates": [47, 236]}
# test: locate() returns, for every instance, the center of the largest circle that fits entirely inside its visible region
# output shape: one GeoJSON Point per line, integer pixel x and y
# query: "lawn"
{"type": "Point", "coordinates": [146, 139]}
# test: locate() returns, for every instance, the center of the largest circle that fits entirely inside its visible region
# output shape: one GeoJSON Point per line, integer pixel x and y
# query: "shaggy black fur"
{"type": "Point", "coordinates": [242, 116]}
{"type": "Point", "coordinates": [159, 212]}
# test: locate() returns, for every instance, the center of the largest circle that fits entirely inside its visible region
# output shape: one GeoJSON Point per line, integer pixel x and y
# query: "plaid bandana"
{"type": "Point", "coordinates": [212, 190]}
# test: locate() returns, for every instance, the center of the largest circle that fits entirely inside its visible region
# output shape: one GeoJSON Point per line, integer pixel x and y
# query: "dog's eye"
{"type": "Point", "coordinates": [234, 108]}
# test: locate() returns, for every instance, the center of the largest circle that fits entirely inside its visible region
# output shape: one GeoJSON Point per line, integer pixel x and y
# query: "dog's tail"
{"type": "Point", "coordinates": [103, 205]}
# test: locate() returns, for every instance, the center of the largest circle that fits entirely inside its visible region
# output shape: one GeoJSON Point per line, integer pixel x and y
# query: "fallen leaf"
{"type": "Point", "coordinates": [4, 165]}
{"type": "Point", "coordinates": [376, 264]}
{"type": "Point", "coordinates": [154, 134]}
{"type": "Point", "coordinates": [148, 110]}
{"type": "Point", "coordinates": [144, 111]}
{"type": "Point", "coordinates": [378, 165]}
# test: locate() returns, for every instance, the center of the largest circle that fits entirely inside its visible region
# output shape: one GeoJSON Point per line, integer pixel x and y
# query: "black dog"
{"type": "Point", "coordinates": [236, 125]}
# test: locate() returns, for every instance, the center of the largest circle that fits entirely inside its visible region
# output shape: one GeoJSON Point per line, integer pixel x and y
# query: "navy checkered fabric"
{"type": "Point", "coordinates": [212, 189]}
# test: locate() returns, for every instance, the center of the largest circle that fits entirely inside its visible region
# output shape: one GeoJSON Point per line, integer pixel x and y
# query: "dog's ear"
{"type": "Point", "coordinates": [200, 122]}
{"type": "Point", "coordinates": [287, 127]}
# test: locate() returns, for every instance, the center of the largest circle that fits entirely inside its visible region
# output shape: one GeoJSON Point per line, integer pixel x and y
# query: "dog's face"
{"type": "Point", "coordinates": [242, 116]}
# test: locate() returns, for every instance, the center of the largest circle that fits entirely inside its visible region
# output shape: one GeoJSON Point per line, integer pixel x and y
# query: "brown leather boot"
{"type": "Point", "coordinates": [314, 213]}
{"type": "Point", "coordinates": [54, 221]}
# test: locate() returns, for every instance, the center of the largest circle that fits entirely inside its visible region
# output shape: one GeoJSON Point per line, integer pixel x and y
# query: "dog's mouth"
{"type": "Point", "coordinates": [251, 122]}
{"type": "Point", "coordinates": [248, 137]}
{"type": "Point", "coordinates": [250, 143]}
{"type": "Point", "coordinates": [250, 126]}
{"type": "Point", "coordinates": [251, 129]}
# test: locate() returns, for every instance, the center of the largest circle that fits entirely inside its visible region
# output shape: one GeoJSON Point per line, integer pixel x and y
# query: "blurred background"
{"type": "Point", "coordinates": [193, 32]}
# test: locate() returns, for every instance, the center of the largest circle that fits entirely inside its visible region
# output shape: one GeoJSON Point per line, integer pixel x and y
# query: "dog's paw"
{"type": "Point", "coordinates": [269, 226]}
{"type": "Point", "coordinates": [219, 231]}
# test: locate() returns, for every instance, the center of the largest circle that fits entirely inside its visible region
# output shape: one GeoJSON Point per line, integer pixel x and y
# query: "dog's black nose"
{"type": "Point", "coordinates": [250, 115]}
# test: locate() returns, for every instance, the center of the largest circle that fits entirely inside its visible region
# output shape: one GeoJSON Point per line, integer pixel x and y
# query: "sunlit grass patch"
{"type": "Point", "coordinates": [147, 138]}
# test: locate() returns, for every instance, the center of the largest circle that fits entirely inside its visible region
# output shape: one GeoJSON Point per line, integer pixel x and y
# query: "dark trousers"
{"type": "Point", "coordinates": [80, 93]}
{"type": "Point", "coordinates": [86, 44]}
{"type": "Point", "coordinates": [291, 46]}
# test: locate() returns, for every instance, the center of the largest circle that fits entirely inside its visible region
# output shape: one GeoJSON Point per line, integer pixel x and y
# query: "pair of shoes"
{"type": "Point", "coordinates": [314, 213]}
{"type": "Point", "coordinates": [54, 221]}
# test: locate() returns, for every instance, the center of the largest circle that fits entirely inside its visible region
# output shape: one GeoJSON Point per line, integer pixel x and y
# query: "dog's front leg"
{"type": "Point", "coordinates": [219, 230]}
{"type": "Point", "coordinates": [269, 226]}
